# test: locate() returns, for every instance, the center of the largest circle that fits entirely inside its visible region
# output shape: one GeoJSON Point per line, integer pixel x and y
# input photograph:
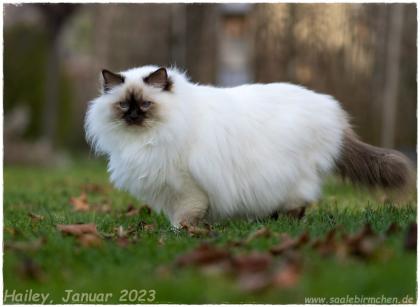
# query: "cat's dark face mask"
{"type": "Point", "coordinates": [134, 110]}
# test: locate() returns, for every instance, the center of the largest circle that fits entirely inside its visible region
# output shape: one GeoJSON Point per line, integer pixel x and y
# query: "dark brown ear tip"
{"type": "Point", "coordinates": [105, 72]}
{"type": "Point", "coordinates": [163, 70]}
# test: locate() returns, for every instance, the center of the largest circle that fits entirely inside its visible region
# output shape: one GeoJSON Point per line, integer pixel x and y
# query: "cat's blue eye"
{"type": "Point", "coordinates": [124, 105]}
{"type": "Point", "coordinates": [145, 104]}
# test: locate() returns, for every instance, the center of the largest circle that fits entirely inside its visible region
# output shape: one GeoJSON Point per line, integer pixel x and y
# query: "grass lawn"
{"type": "Point", "coordinates": [38, 257]}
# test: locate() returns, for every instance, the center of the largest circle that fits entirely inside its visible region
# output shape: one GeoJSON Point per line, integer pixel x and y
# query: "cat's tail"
{"type": "Point", "coordinates": [372, 166]}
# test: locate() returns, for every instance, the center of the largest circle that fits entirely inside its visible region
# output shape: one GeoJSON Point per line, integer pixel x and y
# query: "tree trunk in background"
{"type": "Point", "coordinates": [55, 17]}
{"type": "Point", "coordinates": [49, 123]}
{"type": "Point", "coordinates": [380, 24]}
{"type": "Point", "coordinates": [132, 35]}
{"type": "Point", "coordinates": [347, 51]}
{"type": "Point", "coordinates": [178, 41]}
{"type": "Point", "coordinates": [202, 42]}
{"type": "Point", "coordinates": [392, 76]}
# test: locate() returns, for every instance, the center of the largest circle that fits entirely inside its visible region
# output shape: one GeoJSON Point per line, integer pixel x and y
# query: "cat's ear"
{"type": "Point", "coordinates": [159, 78]}
{"type": "Point", "coordinates": [111, 79]}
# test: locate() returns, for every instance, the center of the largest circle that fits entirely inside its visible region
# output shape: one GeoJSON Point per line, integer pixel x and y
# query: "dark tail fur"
{"type": "Point", "coordinates": [372, 166]}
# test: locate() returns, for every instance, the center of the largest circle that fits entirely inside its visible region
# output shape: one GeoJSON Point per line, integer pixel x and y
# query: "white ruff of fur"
{"type": "Point", "coordinates": [246, 151]}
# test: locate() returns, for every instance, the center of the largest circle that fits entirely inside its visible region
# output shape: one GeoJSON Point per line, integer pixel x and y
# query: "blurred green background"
{"type": "Point", "coordinates": [363, 54]}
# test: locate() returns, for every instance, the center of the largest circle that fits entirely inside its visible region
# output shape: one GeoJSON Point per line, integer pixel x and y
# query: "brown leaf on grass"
{"type": "Point", "coordinates": [411, 238]}
{"type": "Point", "coordinates": [163, 272]}
{"type": "Point", "coordinates": [288, 275]}
{"type": "Point", "coordinates": [254, 282]}
{"type": "Point", "coordinates": [35, 217]}
{"type": "Point", "coordinates": [254, 262]}
{"type": "Point", "coordinates": [89, 240]}
{"type": "Point", "coordinates": [364, 243]}
{"type": "Point", "coordinates": [92, 188]}
{"type": "Point", "coordinates": [393, 228]}
{"type": "Point", "coordinates": [253, 271]}
{"type": "Point", "coordinates": [11, 230]}
{"type": "Point", "coordinates": [161, 241]}
{"type": "Point", "coordinates": [328, 245]}
{"type": "Point", "coordinates": [77, 229]}
{"type": "Point", "coordinates": [87, 234]}
{"type": "Point", "coordinates": [149, 227]}
{"type": "Point", "coordinates": [261, 232]}
{"type": "Point", "coordinates": [363, 233]}
{"type": "Point", "coordinates": [204, 254]}
{"type": "Point", "coordinates": [30, 246]}
{"type": "Point", "coordinates": [80, 203]}
{"type": "Point", "coordinates": [123, 242]}
{"type": "Point", "coordinates": [123, 236]}
{"type": "Point", "coordinates": [195, 230]}
{"type": "Point", "coordinates": [131, 210]}
{"type": "Point", "coordinates": [289, 243]}
{"type": "Point", "coordinates": [103, 208]}
{"type": "Point", "coordinates": [29, 269]}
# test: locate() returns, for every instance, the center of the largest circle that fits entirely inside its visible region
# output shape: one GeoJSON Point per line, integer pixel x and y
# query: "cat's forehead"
{"type": "Point", "coordinates": [133, 91]}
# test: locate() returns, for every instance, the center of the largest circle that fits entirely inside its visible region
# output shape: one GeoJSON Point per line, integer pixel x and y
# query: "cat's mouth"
{"type": "Point", "coordinates": [134, 119]}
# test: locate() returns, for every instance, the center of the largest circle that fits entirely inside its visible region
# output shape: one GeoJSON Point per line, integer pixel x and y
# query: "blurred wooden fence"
{"type": "Point", "coordinates": [351, 51]}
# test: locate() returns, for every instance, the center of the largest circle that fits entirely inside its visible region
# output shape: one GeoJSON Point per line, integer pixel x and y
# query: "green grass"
{"type": "Point", "coordinates": [64, 264]}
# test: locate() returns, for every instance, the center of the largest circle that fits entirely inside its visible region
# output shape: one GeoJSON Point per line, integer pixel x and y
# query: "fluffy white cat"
{"type": "Point", "coordinates": [200, 152]}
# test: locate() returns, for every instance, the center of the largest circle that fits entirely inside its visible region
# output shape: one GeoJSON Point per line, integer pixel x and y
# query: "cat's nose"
{"type": "Point", "coordinates": [134, 114]}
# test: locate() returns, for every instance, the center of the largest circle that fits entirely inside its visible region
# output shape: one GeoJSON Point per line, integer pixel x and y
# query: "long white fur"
{"type": "Point", "coordinates": [220, 152]}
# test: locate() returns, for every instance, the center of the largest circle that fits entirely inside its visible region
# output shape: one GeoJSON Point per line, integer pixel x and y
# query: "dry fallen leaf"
{"type": "Point", "coordinates": [77, 229]}
{"type": "Point", "coordinates": [25, 246]}
{"type": "Point", "coordinates": [328, 245]}
{"type": "Point", "coordinates": [254, 282]}
{"type": "Point", "coordinates": [149, 227]}
{"type": "Point", "coordinates": [203, 255]}
{"type": "Point", "coordinates": [29, 269]}
{"type": "Point", "coordinates": [86, 234]}
{"type": "Point", "coordinates": [103, 208]}
{"type": "Point", "coordinates": [80, 203]}
{"type": "Point", "coordinates": [35, 217]}
{"type": "Point", "coordinates": [89, 240]}
{"type": "Point", "coordinates": [11, 230]}
{"type": "Point", "coordinates": [288, 243]}
{"type": "Point", "coordinates": [393, 228]}
{"type": "Point", "coordinates": [411, 237]}
{"type": "Point", "coordinates": [131, 210]}
{"type": "Point", "coordinates": [253, 262]}
{"type": "Point", "coordinates": [122, 242]}
{"type": "Point", "coordinates": [195, 230]}
{"type": "Point", "coordinates": [163, 271]}
{"type": "Point", "coordinates": [92, 188]}
{"type": "Point", "coordinates": [161, 241]}
{"type": "Point", "coordinates": [364, 243]}
{"type": "Point", "coordinates": [261, 232]}
{"type": "Point", "coordinates": [288, 275]}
